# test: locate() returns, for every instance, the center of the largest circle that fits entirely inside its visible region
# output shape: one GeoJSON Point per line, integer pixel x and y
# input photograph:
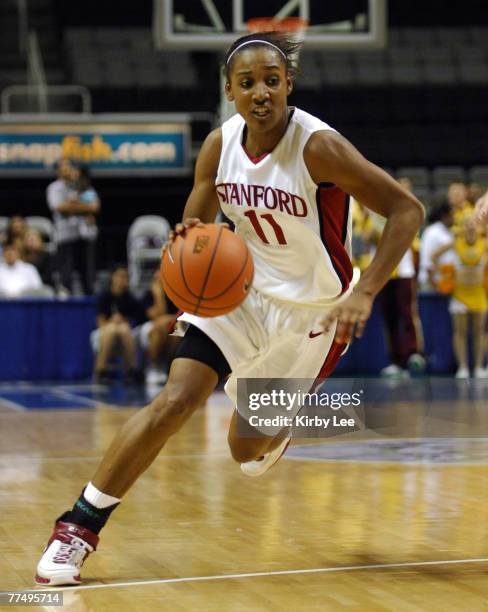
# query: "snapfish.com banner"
{"type": "Point", "coordinates": [108, 147]}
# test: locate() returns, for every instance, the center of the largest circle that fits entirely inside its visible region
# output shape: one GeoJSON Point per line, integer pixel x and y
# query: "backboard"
{"type": "Point", "coordinates": [215, 24]}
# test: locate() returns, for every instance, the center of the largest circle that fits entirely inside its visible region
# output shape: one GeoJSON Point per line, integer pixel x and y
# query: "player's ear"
{"type": "Point", "coordinates": [228, 93]}
{"type": "Point", "coordinates": [289, 85]}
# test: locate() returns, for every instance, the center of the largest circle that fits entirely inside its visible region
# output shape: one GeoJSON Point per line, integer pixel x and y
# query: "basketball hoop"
{"type": "Point", "coordinates": [295, 25]}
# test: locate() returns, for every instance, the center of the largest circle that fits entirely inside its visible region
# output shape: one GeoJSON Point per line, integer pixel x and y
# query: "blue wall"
{"type": "Point", "coordinates": [49, 340]}
{"type": "Point", "coordinates": [369, 354]}
{"type": "Point", "coordinates": [44, 339]}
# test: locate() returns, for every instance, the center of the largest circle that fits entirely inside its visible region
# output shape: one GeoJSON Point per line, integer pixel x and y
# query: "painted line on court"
{"type": "Point", "coordinates": [64, 395]}
{"type": "Point", "coordinates": [318, 570]}
{"type": "Point", "coordinates": [77, 398]}
{"type": "Point", "coordinates": [82, 387]}
{"type": "Point", "coordinates": [99, 457]}
{"type": "Point", "coordinates": [18, 386]}
{"type": "Point", "coordinates": [227, 455]}
{"type": "Point", "coordinates": [379, 462]}
{"type": "Point", "coordinates": [378, 442]}
{"type": "Point", "coordinates": [27, 387]}
{"type": "Point", "coordinates": [10, 404]}
{"type": "Point", "coordinates": [391, 440]}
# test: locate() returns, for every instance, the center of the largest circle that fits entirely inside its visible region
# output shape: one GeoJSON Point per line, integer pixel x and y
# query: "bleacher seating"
{"type": "Point", "coordinates": [479, 174]}
{"type": "Point", "coordinates": [430, 184]}
{"type": "Point", "coordinates": [13, 67]}
{"type": "Point", "coordinates": [413, 56]}
{"type": "Point", "coordinates": [444, 175]}
{"type": "Point", "coordinates": [3, 227]}
{"type": "Point", "coordinates": [94, 56]}
{"type": "Point", "coordinates": [145, 238]}
{"type": "Point", "coordinates": [420, 103]}
{"type": "Point", "coordinates": [428, 89]}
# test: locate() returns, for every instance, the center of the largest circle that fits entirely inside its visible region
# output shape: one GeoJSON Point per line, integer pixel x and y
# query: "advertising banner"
{"type": "Point", "coordinates": [110, 147]}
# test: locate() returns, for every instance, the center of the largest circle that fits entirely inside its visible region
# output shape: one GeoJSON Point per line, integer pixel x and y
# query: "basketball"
{"type": "Point", "coordinates": [208, 271]}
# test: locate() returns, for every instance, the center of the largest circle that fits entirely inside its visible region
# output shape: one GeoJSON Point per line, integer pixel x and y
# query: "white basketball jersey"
{"type": "Point", "coordinates": [299, 233]}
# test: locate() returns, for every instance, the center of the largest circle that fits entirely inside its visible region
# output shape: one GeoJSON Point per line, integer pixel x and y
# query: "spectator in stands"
{"type": "Point", "coordinates": [398, 302]}
{"type": "Point", "coordinates": [36, 254]}
{"type": "Point", "coordinates": [70, 216]}
{"type": "Point", "coordinates": [119, 312]}
{"type": "Point", "coordinates": [16, 229]}
{"type": "Point", "coordinates": [437, 234]}
{"type": "Point", "coordinates": [481, 209]}
{"type": "Point", "coordinates": [154, 335]}
{"type": "Point", "coordinates": [88, 228]}
{"type": "Point", "coordinates": [457, 197]}
{"type": "Point", "coordinates": [364, 236]}
{"type": "Point", "coordinates": [469, 302]}
{"type": "Point", "coordinates": [474, 193]}
{"type": "Point", "coordinates": [16, 276]}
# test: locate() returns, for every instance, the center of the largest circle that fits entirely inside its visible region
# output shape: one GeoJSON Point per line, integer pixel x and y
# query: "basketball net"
{"type": "Point", "coordinates": [296, 26]}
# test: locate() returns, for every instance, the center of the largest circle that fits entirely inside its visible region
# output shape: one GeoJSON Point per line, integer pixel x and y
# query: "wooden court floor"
{"type": "Point", "coordinates": [316, 533]}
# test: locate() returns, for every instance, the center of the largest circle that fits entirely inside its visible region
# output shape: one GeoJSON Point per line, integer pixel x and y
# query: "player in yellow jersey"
{"type": "Point", "coordinates": [457, 196]}
{"type": "Point", "coordinates": [469, 303]}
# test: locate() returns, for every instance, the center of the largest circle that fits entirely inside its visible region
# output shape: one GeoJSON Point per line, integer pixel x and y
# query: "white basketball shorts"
{"type": "Point", "coordinates": [266, 338]}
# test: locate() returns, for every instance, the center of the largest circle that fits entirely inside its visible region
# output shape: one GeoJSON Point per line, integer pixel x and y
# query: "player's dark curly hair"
{"type": "Point", "coordinates": [282, 40]}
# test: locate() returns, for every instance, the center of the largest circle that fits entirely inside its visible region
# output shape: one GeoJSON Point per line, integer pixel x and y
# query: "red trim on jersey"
{"type": "Point", "coordinates": [255, 160]}
{"type": "Point", "coordinates": [330, 363]}
{"type": "Point", "coordinates": [333, 207]}
{"type": "Point", "coordinates": [173, 322]}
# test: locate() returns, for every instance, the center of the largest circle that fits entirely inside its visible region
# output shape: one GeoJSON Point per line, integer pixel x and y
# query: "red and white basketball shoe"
{"type": "Point", "coordinates": [67, 549]}
{"type": "Point", "coordinates": [260, 466]}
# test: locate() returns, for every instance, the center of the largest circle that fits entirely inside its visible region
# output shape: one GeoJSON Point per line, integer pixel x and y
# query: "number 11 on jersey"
{"type": "Point", "coordinates": [253, 218]}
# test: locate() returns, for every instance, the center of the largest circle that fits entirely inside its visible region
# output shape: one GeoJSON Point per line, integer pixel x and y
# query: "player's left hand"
{"type": "Point", "coordinates": [481, 209]}
{"type": "Point", "coordinates": [351, 316]}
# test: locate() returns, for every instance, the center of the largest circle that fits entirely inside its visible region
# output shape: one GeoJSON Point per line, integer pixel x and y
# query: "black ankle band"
{"type": "Point", "coordinates": [87, 515]}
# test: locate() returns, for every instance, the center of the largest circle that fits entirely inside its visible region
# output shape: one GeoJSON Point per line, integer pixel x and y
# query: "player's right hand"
{"type": "Point", "coordinates": [180, 228]}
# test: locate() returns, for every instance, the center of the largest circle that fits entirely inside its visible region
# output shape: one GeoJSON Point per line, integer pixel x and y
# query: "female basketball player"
{"type": "Point", "coordinates": [282, 176]}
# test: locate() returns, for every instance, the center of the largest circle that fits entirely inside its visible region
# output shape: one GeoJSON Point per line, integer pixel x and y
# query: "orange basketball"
{"type": "Point", "coordinates": [208, 271]}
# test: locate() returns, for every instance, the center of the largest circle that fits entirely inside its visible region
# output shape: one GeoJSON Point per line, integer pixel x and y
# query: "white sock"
{"type": "Point", "coordinates": [97, 498]}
